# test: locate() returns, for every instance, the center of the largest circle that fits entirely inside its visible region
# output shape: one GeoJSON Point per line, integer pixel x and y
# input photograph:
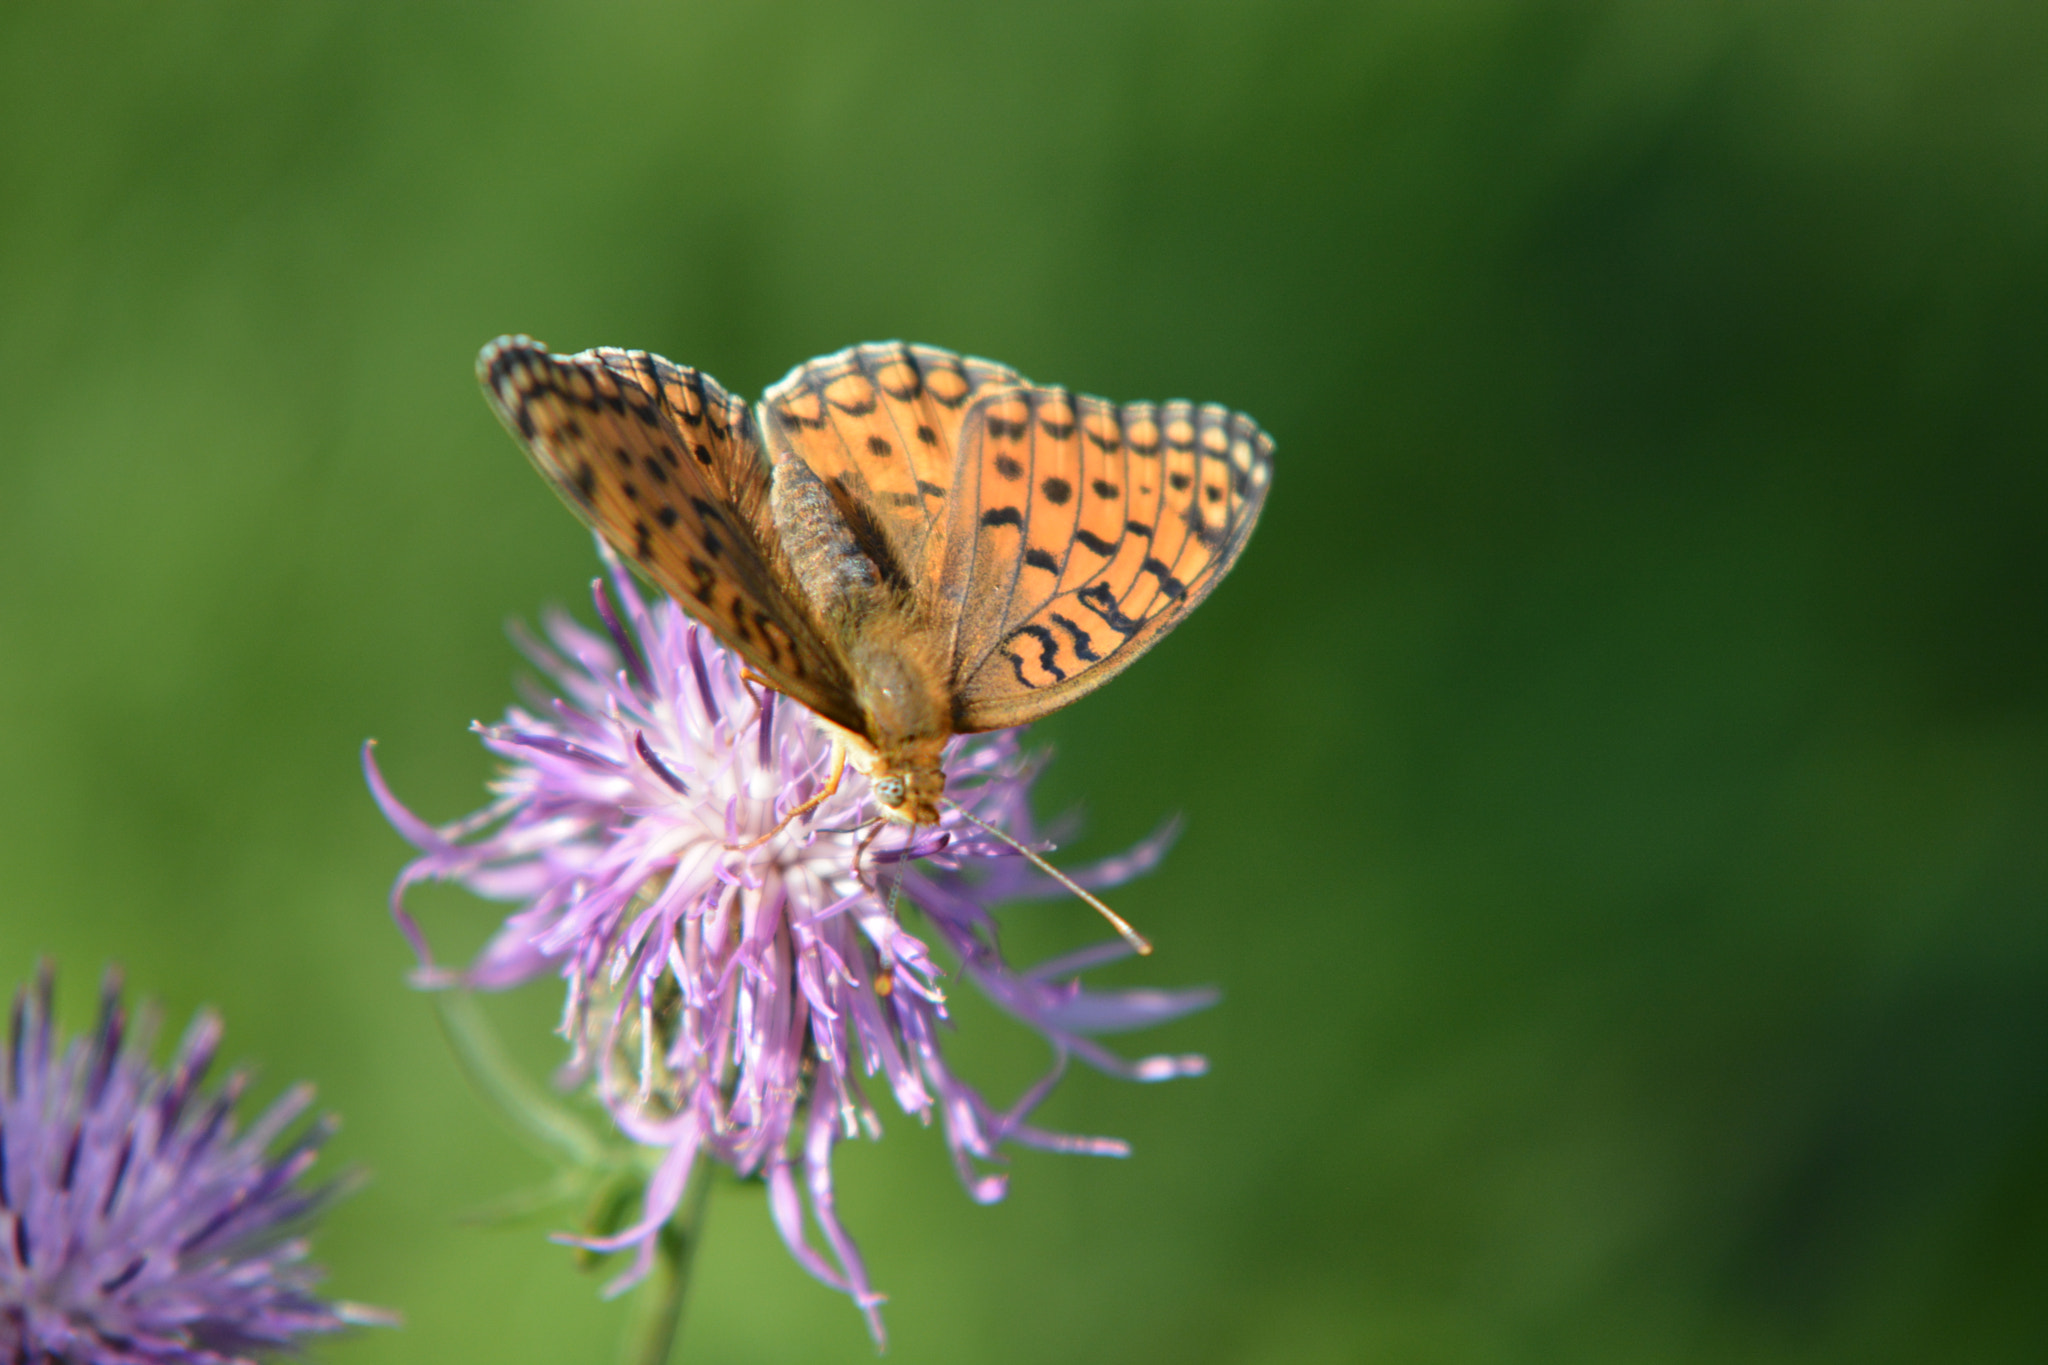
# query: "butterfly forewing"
{"type": "Point", "coordinates": [668, 468]}
{"type": "Point", "coordinates": [1081, 532]}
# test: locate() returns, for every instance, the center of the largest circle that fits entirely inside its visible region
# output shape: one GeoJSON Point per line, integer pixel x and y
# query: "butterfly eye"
{"type": "Point", "coordinates": [890, 790]}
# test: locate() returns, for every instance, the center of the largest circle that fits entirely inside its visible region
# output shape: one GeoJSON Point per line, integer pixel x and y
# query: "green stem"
{"type": "Point", "coordinates": [656, 1327]}
{"type": "Point", "coordinates": [549, 1126]}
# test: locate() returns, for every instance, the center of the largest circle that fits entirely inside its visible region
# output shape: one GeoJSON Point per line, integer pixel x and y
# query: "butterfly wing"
{"type": "Point", "coordinates": [1079, 533]}
{"type": "Point", "coordinates": [879, 424]}
{"type": "Point", "coordinates": [668, 468]}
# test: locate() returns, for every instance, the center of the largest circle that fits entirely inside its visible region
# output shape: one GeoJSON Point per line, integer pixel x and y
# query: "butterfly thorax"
{"type": "Point", "coordinates": [903, 702]}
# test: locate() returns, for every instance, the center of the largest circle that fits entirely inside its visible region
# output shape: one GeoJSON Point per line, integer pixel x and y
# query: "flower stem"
{"type": "Point", "coordinates": [546, 1125]}
{"type": "Point", "coordinates": [657, 1322]}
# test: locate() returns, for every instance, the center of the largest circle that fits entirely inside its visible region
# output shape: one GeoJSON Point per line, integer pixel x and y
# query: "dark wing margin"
{"type": "Point", "coordinates": [1081, 533]}
{"type": "Point", "coordinates": [668, 467]}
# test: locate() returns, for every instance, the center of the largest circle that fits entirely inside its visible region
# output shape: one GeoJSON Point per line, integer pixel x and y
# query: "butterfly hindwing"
{"type": "Point", "coordinates": [667, 466]}
{"type": "Point", "coordinates": [1080, 532]}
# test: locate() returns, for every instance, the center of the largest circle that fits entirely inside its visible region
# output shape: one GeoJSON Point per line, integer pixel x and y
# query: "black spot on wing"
{"type": "Point", "coordinates": [1084, 645]}
{"type": "Point", "coordinates": [1103, 603]}
{"type": "Point", "coordinates": [764, 626]}
{"type": "Point", "coordinates": [1039, 559]}
{"type": "Point", "coordinates": [693, 413]}
{"type": "Point", "coordinates": [1057, 490]}
{"type": "Point", "coordinates": [787, 413]}
{"type": "Point", "coordinates": [644, 366]}
{"type": "Point", "coordinates": [1095, 542]}
{"type": "Point", "coordinates": [1048, 654]}
{"type": "Point", "coordinates": [1168, 584]}
{"type": "Point", "coordinates": [705, 582]}
{"type": "Point", "coordinates": [875, 366]}
{"type": "Point", "coordinates": [1003, 516]}
{"type": "Point", "coordinates": [946, 396]}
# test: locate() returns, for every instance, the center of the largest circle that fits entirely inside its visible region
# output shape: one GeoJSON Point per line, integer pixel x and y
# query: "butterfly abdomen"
{"type": "Point", "coordinates": [828, 560]}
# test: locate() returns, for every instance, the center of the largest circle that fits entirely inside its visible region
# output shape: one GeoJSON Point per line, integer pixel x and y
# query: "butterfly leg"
{"type": "Point", "coordinates": [818, 798]}
{"type": "Point", "coordinates": [860, 851]}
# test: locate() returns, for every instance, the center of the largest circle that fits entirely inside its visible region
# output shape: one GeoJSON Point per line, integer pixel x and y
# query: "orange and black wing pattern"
{"type": "Point", "coordinates": [668, 468]}
{"type": "Point", "coordinates": [879, 424]}
{"type": "Point", "coordinates": [1079, 533]}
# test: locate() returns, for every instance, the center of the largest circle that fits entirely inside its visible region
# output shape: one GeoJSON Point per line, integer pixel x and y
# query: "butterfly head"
{"type": "Point", "coordinates": [909, 795]}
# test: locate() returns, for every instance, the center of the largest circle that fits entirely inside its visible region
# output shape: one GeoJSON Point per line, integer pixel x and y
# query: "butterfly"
{"type": "Point", "coordinates": [912, 543]}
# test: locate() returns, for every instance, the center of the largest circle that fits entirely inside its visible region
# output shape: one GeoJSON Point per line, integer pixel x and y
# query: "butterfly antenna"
{"type": "Point", "coordinates": [1117, 922]}
{"type": "Point", "coordinates": [896, 892]}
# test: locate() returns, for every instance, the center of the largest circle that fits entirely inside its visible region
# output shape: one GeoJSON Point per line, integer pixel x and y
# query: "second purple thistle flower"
{"type": "Point", "coordinates": [726, 998]}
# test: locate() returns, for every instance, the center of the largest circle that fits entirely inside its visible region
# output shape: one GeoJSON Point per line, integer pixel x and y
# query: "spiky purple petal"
{"type": "Point", "coordinates": [625, 831]}
{"type": "Point", "coordinates": [140, 1228]}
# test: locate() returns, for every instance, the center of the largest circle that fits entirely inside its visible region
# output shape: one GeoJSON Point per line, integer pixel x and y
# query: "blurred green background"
{"type": "Point", "coordinates": [1615, 784]}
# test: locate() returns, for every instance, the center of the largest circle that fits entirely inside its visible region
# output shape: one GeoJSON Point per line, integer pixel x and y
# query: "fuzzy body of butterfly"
{"type": "Point", "coordinates": [912, 543]}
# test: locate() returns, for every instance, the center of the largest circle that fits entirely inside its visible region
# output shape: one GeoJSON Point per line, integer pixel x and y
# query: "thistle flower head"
{"type": "Point", "coordinates": [137, 1227]}
{"type": "Point", "coordinates": [733, 984]}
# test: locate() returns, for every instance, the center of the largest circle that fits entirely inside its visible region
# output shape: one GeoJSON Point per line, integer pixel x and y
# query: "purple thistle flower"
{"type": "Point", "coordinates": [136, 1226]}
{"type": "Point", "coordinates": [727, 1000]}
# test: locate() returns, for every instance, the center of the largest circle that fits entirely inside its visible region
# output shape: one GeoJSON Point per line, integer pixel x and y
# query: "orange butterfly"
{"type": "Point", "coordinates": [924, 545]}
